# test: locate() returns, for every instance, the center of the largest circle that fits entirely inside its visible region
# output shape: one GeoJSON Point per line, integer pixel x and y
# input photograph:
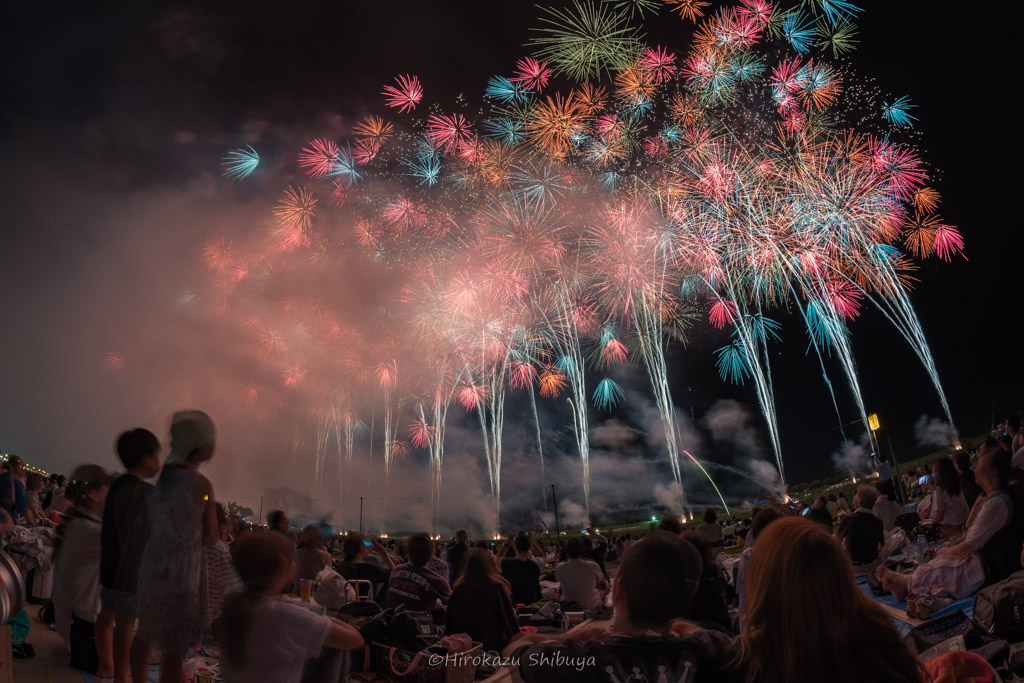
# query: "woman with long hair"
{"type": "Point", "coordinates": [806, 619]}
{"type": "Point", "coordinates": [949, 507]}
{"type": "Point", "coordinates": [480, 604]}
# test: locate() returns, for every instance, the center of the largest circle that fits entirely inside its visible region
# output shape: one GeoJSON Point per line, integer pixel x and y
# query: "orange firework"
{"type": "Point", "coordinates": [296, 208]}
{"type": "Point", "coordinates": [919, 235]}
{"type": "Point", "coordinates": [554, 122]}
{"type": "Point", "coordinates": [688, 9]}
{"type": "Point", "coordinates": [927, 199]}
{"type": "Point", "coordinates": [551, 382]}
{"type": "Point", "coordinates": [634, 84]}
{"type": "Point", "coordinates": [374, 127]}
{"type": "Point", "coordinates": [218, 254]}
{"type": "Point", "coordinates": [684, 109]}
{"type": "Point", "coordinates": [590, 98]}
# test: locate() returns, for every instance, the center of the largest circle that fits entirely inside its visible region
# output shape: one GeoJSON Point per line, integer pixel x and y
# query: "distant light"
{"type": "Point", "coordinates": [654, 519]}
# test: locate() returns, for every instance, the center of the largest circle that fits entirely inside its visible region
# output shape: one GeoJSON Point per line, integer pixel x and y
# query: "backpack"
{"type": "Point", "coordinates": [999, 608]}
{"type": "Point", "coordinates": [414, 631]}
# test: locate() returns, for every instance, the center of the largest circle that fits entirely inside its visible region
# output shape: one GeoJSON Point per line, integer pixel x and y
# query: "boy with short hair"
{"type": "Point", "coordinates": [123, 541]}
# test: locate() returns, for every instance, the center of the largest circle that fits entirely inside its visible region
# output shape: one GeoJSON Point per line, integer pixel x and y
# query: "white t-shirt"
{"type": "Point", "coordinates": [281, 638]}
{"type": "Point", "coordinates": [954, 508]}
{"type": "Point", "coordinates": [996, 511]}
{"type": "Point", "coordinates": [579, 579]}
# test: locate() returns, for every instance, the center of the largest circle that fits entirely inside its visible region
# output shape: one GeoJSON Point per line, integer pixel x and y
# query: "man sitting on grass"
{"type": "Point", "coordinates": [648, 640]}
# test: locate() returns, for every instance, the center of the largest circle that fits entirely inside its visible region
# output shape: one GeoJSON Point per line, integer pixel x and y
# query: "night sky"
{"type": "Point", "coordinates": [115, 120]}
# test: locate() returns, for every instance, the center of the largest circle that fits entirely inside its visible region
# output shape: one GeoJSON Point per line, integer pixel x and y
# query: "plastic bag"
{"type": "Point", "coordinates": [330, 589]}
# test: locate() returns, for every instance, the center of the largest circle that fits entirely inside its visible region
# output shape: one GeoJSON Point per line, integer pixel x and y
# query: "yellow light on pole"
{"type": "Point", "coordinates": [873, 422]}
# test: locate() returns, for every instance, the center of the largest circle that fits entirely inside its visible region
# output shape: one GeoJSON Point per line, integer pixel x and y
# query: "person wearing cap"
{"type": "Point", "coordinates": [13, 498]}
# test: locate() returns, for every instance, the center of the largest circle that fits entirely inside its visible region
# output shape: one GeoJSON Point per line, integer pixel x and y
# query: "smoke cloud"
{"type": "Point", "coordinates": [934, 432]}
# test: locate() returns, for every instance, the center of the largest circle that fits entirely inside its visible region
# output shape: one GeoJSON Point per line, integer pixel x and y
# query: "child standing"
{"type": "Point", "coordinates": [123, 540]}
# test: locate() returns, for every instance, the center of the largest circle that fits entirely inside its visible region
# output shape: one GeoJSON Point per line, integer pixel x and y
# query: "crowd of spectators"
{"type": "Point", "coordinates": [146, 568]}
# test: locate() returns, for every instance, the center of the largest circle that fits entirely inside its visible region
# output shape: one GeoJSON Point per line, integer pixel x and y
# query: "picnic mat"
{"type": "Point", "coordinates": [897, 609]}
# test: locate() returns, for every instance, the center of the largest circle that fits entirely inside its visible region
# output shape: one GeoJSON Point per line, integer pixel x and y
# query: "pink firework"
{"type": "Point", "coordinates": [656, 146]}
{"type": "Point", "coordinates": [365, 150]}
{"type": "Point", "coordinates": [114, 362]}
{"type": "Point", "coordinates": [406, 96]}
{"type": "Point", "coordinates": [759, 10]}
{"type": "Point", "coordinates": [366, 232]}
{"type": "Point", "coordinates": [614, 352]}
{"type": "Point", "coordinates": [531, 73]}
{"type": "Point", "coordinates": [472, 396]}
{"type": "Point", "coordinates": [251, 396]}
{"type": "Point", "coordinates": [293, 376]}
{"type": "Point", "coordinates": [521, 374]}
{"type": "Point", "coordinates": [421, 434]}
{"type": "Point", "coordinates": [403, 213]}
{"type": "Point", "coordinates": [948, 241]}
{"type": "Point", "coordinates": [659, 63]}
{"type": "Point", "coordinates": [387, 374]}
{"type": "Point", "coordinates": [319, 157]}
{"type": "Point", "coordinates": [448, 133]}
{"type": "Point", "coordinates": [722, 312]}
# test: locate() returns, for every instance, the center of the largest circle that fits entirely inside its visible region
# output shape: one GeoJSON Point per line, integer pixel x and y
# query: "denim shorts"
{"type": "Point", "coordinates": [121, 603]}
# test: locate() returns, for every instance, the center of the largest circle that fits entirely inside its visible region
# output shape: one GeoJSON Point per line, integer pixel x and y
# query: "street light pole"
{"type": "Point", "coordinates": [360, 514]}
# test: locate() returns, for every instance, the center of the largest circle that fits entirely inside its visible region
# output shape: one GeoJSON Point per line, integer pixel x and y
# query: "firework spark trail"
{"type": "Point", "coordinates": [821, 363]}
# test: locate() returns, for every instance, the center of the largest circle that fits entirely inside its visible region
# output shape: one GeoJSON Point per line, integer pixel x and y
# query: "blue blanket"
{"type": "Point", "coordinates": [967, 605]}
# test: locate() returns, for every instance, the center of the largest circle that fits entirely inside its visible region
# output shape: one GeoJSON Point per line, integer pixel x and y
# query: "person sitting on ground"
{"type": "Point", "coordinates": [761, 520]}
{"type": "Point", "coordinates": [885, 508]}
{"type": "Point", "coordinates": [862, 535]}
{"type": "Point", "coordinates": [456, 554]}
{"type": "Point", "coordinates": [312, 557]}
{"type": "Point", "coordinates": [711, 530]}
{"type": "Point", "coordinates": [729, 532]}
{"type": "Point", "coordinates": [581, 580]}
{"type": "Point", "coordinates": [59, 502]}
{"type": "Point", "coordinates": [709, 604]}
{"type": "Point", "coordinates": [595, 547]}
{"type": "Point", "coordinates": [46, 497]}
{"type": "Point", "coordinates": [949, 507]}
{"type": "Point", "coordinates": [671, 525]}
{"type": "Point", "coordinates": [968, 486]}
{"type": "Point", "coordinates": [844, 505]}
{"type": "Point", "coordinates": [648, 640]}
{"type": "Point", "coordinates": [76, 578]}
{"type": "Point", "coordinates": [12, 491]}
{"type": "Point", "coordinates": [832, 505]}
{"type": "Point", "coordinates": [222, 580]}
{"type": "Point", "coordinates": [414, 585]}
{"type": "Point", "coordinates": [354, 566]}
{"type": "Point", "coordinates": [991, 550]}
{"type": "Point", "coordinates": [264, 638]}
{"type": "Point", "coordinates": [124, 537]}
{"type": "Point", "coordinates": [806, 620]}
{"type": "Point", "coordinates": [819, 513]}
{"type": "Point", "coordinates": [277, 521]}
{"type": "Point", "coordinates": [438, 565]}
{"type": "Point", "coordinates": [33, 488]}
{"type": "Point", "coordinates": [521, 570]}
{"type": "Point", "coordinates": [480, 604]}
